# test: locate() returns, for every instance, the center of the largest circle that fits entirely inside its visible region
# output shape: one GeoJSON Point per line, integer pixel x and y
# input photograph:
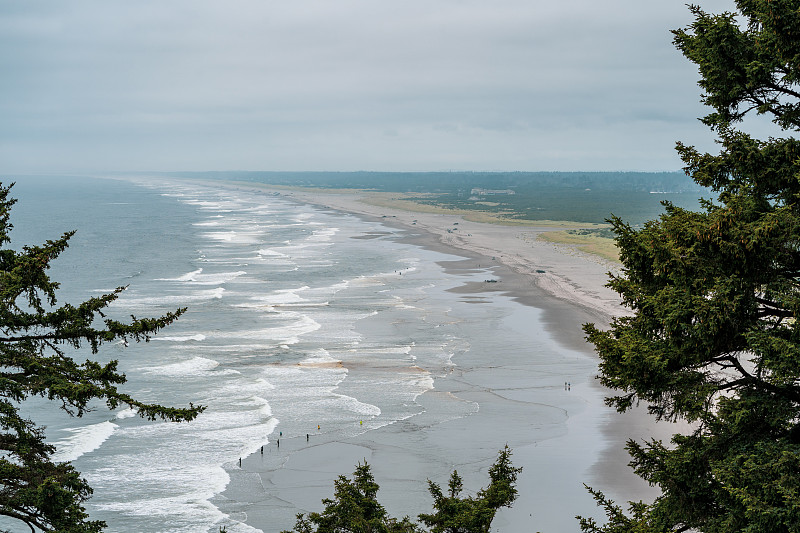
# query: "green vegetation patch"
{"type": "Point", "coordinates": [597, 241]}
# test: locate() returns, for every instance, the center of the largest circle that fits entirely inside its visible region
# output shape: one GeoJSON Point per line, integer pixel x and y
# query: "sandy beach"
{"type": "Point", "coordinates": [561, 436]}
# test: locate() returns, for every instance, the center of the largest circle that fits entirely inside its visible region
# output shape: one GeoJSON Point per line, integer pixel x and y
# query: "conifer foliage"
{"type": "Point", "coordinates": [354, 507]}
{"type": "Point", "coordinates": [458, 514]}
{"type": "Point", "coordinates": [714, 336]}
{"type": "Point", "coordinates": [35, 335]}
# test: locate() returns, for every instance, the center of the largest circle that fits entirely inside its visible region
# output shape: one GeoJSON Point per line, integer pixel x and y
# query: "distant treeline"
{"type": "Point", "coordinates": [576, 196]}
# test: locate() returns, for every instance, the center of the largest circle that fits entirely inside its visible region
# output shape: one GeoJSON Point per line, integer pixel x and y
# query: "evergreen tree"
{"type": "Point", "coordinates": [473, 515]}
{"type": "Point", "coordinates": [34, 335]}
{"type": "Point", "coordinates": [355, 508]}
{"type": "Point", "coordinates": [714, 337]}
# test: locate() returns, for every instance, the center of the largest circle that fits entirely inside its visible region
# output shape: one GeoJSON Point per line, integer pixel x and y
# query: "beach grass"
{"type": "Point", "coordinates": [592, 243]}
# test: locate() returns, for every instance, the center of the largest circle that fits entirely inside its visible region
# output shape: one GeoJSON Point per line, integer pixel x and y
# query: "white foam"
{"type": "Point", "coordinates": [425, 382]}
{"type": "Point", "coordinates": [247, 348]}
{"type": "Point", "coordinates": [277, 307]}
{"type": "Point", "coordinates": [239, 527]}
{"type": "Point", "coordinates": [205, 204]}
{"type": "Point", "coordinates": [268, 252]}
{"type": "Point", "coordinates": [219, 278]}
{"type": "Point", "coordinates": [291, 332]}
{"type": "Point", "coordinates": [232, 237]}
{"type": "Point", "coordinates": [364, 281]}
{"type": "Point", "coordinates": [181, 508]}
{"type": "Point", "coordinates": [265, 409]}
{"type": "Point", "coordinates": [126, 413]}
{"type": "Point", "coordinates": [322, 235]}
{"type": "Point", "coordinates": [197, 277]}
{"type": "Point", "coordinates": [193, 366]}
{"type": "Point", "coordinates": [178, 299]}
{"type": "Point", "coordinates": [404, 350]}
{"type": "Point", "coordinates": [320, 356]}
{"type": "Point", "coordinates": [282, 297]}
{"type": "Point", "coordinates": [284, 334]}
{"type": "Point", "coordinates": [82, 441]}
{"type": "Point", "coordinates": [208, 223]}
{"type": "Point", "coordinates": [354, 406]}
{"type": "Point", "coordinates": [185, 338]}
{"type": "Point", "coordinates": [191, 276]}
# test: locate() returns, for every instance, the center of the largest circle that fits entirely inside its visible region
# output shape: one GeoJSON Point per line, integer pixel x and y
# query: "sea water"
{"type": "Point", "coordinates": [272, 342]}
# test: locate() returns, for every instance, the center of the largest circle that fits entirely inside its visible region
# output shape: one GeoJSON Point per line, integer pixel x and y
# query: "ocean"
{"type": "Point", "coordinates": [303, 324]}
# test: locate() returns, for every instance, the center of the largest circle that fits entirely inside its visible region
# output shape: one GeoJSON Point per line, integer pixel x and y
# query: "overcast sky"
{"type": "Point", "coordinates": [346, 85]}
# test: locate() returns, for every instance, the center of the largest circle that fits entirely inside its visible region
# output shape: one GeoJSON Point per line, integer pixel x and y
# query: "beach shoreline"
{"type": "Point", "coordinates": [534, 272]}
{"type": "Point", "coordinates": [563, 271]}
{"type": "Point", "coordinates": [566, 285]}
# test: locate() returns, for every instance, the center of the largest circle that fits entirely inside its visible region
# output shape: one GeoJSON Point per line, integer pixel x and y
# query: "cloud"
{"type": "Point", "coordinates": [512, 84]}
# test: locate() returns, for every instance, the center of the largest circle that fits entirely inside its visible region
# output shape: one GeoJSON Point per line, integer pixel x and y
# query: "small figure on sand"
{"type": "Point", "coordinates": [317, 427]}
{"type": "Point", "coordinates": [240, 462]}
{"type": "Point", "coordinates": [262, 450]}
{"type": "Point", "coordinates": [306, 437]}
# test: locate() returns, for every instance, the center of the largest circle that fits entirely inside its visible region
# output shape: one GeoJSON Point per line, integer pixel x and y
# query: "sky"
{"type": "Point", "coordinates": [389, 85]}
